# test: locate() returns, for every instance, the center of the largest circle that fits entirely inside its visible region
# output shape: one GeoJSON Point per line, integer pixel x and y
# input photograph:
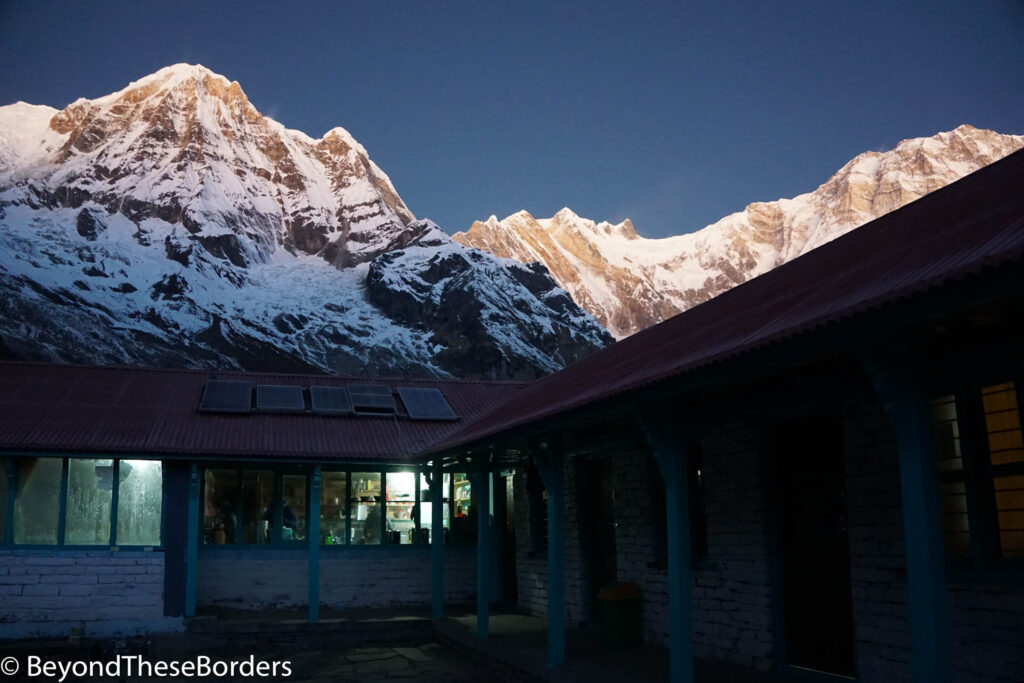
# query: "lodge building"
{"type": "Point", "coordinates": [821, 470]}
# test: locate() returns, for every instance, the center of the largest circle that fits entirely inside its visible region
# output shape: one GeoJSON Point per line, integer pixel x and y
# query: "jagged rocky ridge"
{"type": "Point", "coordinates": [630, 283]}
{"type": "Point", "coordinates": [172, 224]}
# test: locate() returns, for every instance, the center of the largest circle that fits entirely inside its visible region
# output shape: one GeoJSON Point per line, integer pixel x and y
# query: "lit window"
{"type": "Point", "coordinates": [427, 508]}
{"type": "Point", "coordinates": [981, 491]}
{"type": "Point", "coordinates": [82, 515]}
{"type": "Point", "coordinates": [367, 521]}
{"type": "Point", "coordinates": [401, 504]}
{"type": "Point", "coordinates": [139, 499]}
{"type": "Point", "coordinates": [333, 504]}
{"type": "Point", "coordinates": [257, 507]}
{"type": "Point", "coordinates": [90, 491]}
{"type": "Point", "coordinates": [37, 501]}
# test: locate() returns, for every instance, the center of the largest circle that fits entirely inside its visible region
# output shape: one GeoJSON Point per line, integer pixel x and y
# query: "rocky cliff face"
{"type": "Point", "coordinates": [171, 223]}
{"type": "Point", "coordinates": [629, 282]}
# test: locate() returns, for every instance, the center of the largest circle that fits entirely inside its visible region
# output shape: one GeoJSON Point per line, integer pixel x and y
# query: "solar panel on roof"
{"type": "Point", "coordinates": [371, 398]}
{"type": "Point", "coordinates": [426, 404]}
{"type": "Point", "coordinates": [330, 401]}
{"type": "Point", "coordinates": [280, 398]}
{"type": "Point", "coordinates": [224, 396]}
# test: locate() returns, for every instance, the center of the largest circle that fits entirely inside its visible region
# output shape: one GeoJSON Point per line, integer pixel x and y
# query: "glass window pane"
{"type": "Point", "coordinates": [90, 489]}
{"type": "Point", "coordinates": [366, 508]}
{"type": "Point", "coordinates": [401, 497]}
{"type": "Point", "coordinates": [220, 506]}
{"type": "Point", "coordinates": [464, 524]}
{"type": "Point", "coordinates": [4, 493]}
{"type": "Point", "coordinates": [37, 503]}
{"type": "Point", "coordinates": [947, 434]}
{"type": "Point", "coordinates": [333, 504]}
{"type": "Point", "coordinates": [1002, 420]}
{"type": "Point", "coordinates": [1010, 506]}
{"type": "Point", "coordinates": [293, 513]}
{"type": "Point", "coordinates": [257, 505]}
{"type": "Point", "coordinates": [955, 524]}
{"type": "Point", "coordinates": [426, 507]}
{"type": "Point", "coordinates": [139, 502]}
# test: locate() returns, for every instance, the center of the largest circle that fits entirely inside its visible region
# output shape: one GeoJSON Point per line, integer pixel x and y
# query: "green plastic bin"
{"type": "Point", "coordinates": [621, 619]}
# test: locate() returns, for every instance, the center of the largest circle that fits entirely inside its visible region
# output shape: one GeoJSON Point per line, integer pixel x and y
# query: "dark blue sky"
{"type": "Point", "coordinates": [673, 114]}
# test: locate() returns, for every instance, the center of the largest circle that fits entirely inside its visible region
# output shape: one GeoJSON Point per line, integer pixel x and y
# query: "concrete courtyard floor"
{"type": "Point", "coordinates": [380, 646]}
{"type": "Point", "coordinates": [321, 663]}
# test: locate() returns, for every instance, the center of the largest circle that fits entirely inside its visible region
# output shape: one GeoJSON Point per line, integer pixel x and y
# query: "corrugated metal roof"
{"type": "Point", "coordinates": [69, 408]}
{"type": "Point", "coordinates": [970, 225]}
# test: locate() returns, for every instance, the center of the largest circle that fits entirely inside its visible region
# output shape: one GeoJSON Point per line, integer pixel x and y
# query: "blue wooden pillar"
{"type": "Point", "coordinates": [668, 442]}
{"type": "Point", "coordinates": [12, 491]}
{"type": "Point", "coordinates": [192, 549]}
{"type": "Point", "coordinates": [484, 569]}
{"type": "Point", "coordinates": [437, 540]}
{"type": "Point", "coordinates": [550, 468]}
{"type": "Point", "coordinates": [314, 545]}
{"type": "Point", "coordinates": [908, 408]}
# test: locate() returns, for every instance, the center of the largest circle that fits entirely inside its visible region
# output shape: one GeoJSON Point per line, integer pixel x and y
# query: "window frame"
{"type": "Point", "coordinates": [282, 469]}
{"type": "Point", "coordinates": [7, 534]}
{"type": "Point", "coordinates": [985, 561]}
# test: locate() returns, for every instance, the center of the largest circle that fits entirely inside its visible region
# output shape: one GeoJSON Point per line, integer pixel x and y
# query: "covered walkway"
{"type": "Point", "coordinates": [517, 646]}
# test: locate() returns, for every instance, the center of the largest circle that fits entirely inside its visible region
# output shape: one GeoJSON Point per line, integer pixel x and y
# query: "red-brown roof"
{"type": "Point", "coordinates": [970, 225]}
{"type": "Point", "coordinates": [86, 409]}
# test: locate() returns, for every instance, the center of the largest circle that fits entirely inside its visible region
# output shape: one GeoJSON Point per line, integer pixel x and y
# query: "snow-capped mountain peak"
{"type": "Point", "coordinates": [172, 223]}
{"type": "Point", "coordinates": [629, 282]}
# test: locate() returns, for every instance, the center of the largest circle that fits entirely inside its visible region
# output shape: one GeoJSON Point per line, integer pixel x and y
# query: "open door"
{"type": "Point", "coordinates": [814, 547]}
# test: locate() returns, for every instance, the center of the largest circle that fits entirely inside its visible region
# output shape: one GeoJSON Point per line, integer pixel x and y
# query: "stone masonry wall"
{"type": "Point", "coordinates": [47, 593]}
{"type": "Point", "coordinates": [878, 569]}
{"type": "Point", "coordinates": [732, 590]}
{"type": "Point", "coordinates": [375, 577]}
{"type": "Point", "coordinates": [531, 561]}
{"type": "Point", "coordinates": [986, 616]}
{"type": "Point", "coordinates": [733, 593]}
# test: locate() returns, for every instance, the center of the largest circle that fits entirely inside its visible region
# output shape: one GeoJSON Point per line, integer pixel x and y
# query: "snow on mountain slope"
{"type": "Point", "coordinates": [170, 223]}
{"type": "Point", "coordinates": [629, 282]}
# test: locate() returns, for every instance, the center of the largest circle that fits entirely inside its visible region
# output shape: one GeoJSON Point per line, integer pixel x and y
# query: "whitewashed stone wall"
{"type": "Point", "coordinates": [47, 593]}
{"type": "Point", "coordinates": [377, 577]}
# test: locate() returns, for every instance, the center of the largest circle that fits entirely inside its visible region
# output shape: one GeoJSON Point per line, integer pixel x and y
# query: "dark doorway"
{"type": "Point", "coordinates": [597, 529]}
{"type": "Point", "coordinates": [814, 545]}
{"type": "Point", "coordinates": [505, 540]}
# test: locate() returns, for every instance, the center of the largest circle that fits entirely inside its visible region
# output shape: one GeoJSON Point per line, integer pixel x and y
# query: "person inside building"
{"type": "Point", "coordinates": [289, 520]}
{"type": "Point", "coordinates": [371, 526]}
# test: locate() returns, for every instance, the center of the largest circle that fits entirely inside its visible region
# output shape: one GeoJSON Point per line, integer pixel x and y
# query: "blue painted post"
{"type": "Point", "coordinates": [192, 549]}
{"type": "Point", "coordinates": [481, 485]}
{"type": "Point", "coordinates": [12, 491]}
{"type": "Point", "coordinates": [551, 472]}
{"type": "Point", "coordinates": [908, 409]}
{"type": "Point", "coordinates": [667, 442]}
{"type": "Point", "coordinates": [437, 540]}
{"type": "Point", "coordinates": [314, 545]}
{"type": "Point", "coordinates": [115, 494]}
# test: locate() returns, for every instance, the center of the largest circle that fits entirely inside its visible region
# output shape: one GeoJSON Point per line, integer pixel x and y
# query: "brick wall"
{"type": "Point", "coordinates": [355, 577]}
{"type": "Point", "coordinates": [47, 593]}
